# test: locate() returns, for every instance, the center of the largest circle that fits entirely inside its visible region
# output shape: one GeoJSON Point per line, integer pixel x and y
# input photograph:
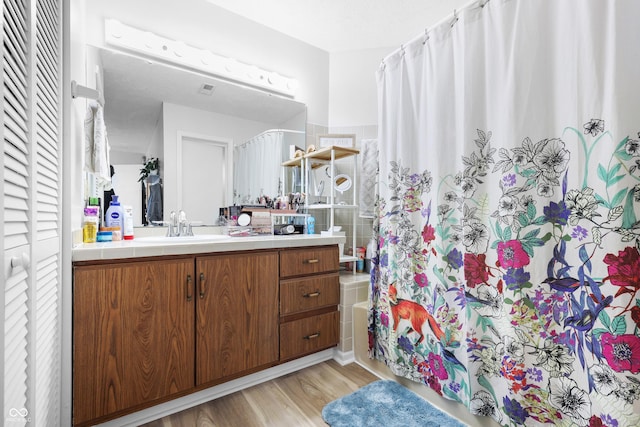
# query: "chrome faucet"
{"type": "Point", "coordinates": [172, 225]}
{"type": "Point", "coordinates": [184, 228]}
{"type": "Point", "coordinates": [178, 225]}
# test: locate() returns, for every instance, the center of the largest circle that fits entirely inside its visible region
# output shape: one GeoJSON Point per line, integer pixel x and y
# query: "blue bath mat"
{"type": "Point", "coordinates": [385, 403]}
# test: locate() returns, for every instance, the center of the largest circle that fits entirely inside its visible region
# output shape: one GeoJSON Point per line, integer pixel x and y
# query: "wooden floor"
{"type": "Point", "coordinates": [294, 400]}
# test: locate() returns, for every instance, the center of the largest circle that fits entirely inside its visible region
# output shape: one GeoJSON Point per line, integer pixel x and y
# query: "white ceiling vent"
{"type": "Point", "coordinates": [206, 89]}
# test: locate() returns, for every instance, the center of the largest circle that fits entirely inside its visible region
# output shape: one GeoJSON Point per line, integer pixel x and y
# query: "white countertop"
{"type": "Point", "coordinates": [135, 249]}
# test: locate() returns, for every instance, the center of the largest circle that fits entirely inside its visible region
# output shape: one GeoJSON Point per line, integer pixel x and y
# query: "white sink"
{"type": "Point", "coordinates": [162, 240]}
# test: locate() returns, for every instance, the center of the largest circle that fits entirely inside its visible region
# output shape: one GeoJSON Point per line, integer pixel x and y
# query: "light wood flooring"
{"type": "Point", "coordinates": [294, 400]}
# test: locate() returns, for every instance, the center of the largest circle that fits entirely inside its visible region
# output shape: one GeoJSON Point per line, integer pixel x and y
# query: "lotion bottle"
{"type": "Point", "coordinates": [127, 231]}
{"type": "Point", "coordinates": [115, 214]}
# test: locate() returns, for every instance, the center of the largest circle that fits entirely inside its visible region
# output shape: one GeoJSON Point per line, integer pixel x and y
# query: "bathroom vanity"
{"type": "Point", "coordinates": [154, 321]}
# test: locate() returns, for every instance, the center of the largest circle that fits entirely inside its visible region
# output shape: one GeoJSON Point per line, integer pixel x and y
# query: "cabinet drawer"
{"type": "Point", "coordinates": [309, 293]}
{"type": "Point", "coordinates": [304, 261]}
{"type": "Point", "coordinates": [309, 335]}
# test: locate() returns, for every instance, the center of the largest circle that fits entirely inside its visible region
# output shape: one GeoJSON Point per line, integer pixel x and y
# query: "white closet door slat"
{"type": "Point", "coordinates": [15, 118]}
{"type": "Point", "coordinates": [16, 341]}
{"type": "Point", "coordinates": [13, 78]}
{"type": "Point", "coordinates": [47, 341]}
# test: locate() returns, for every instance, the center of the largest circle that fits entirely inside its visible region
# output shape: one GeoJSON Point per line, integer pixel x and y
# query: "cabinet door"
{"type": "Point", "coordinates": [237, 314]}
{"type": "Point", "coordinates": [133, 335]}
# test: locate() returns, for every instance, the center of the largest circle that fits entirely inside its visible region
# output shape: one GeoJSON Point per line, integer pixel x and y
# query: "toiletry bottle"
{"type": "Point", "coordinates": [311, 225]}
{"type": "Point", "coordinates": [115, 214]}
{"type": "Point", "coordinates": [90, 224]}
{"type": "Point", "coordinates": [127, 232]}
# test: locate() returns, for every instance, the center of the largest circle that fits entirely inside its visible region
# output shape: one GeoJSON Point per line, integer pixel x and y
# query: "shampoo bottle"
{"type": "Point", "coordinates": [115, 214]}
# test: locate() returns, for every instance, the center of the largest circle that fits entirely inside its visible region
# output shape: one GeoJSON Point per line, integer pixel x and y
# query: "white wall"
{"type": "Point", "coordinates": [72, 188]}
{"type": "Point", "coordinates": [129, 190]}
{"type": "Point", "coordinates": [74, 146]}
{"type": "Point", "coordinates": [353, 92]}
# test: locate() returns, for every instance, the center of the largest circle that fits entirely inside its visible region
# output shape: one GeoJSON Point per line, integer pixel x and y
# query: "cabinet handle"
{"type": "Point", "coordinates": [312, 336]}
{"type": "Point", "coordinates": [312, 294]}
{"type": "Point", "coordinates": [311, 261]}
{"type": "Point", "coordinates": [201, 285]}
{"type": "Point", "coordinates": [189, 288]}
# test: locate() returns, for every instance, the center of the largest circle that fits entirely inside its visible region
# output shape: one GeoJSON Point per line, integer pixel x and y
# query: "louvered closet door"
{"type": "Point", "coordinates": [16, 167]}
{"type": "Point", "coordinates": [30, 211]}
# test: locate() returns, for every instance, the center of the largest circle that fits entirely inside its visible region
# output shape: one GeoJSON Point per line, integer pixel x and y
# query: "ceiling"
{"type": "Point", "coordinates": [343, 25]}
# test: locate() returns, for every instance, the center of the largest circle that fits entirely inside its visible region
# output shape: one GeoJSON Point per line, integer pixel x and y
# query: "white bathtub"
{"type": "Point", "coordinates": [361, 354]}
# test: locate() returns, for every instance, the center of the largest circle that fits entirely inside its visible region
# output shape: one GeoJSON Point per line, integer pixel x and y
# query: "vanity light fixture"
{"type": "Point", "coordinates": [180, 53]}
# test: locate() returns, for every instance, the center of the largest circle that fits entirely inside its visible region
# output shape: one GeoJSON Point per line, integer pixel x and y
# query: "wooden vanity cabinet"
{"type": "Point", "coordinates": [309, 298]}
{"type": "Point", "coordinates": [237, 314]}
{"type": "Point", "coordinates": [147, 331]}
{"type": "Point", "coordinates": [133, 335]}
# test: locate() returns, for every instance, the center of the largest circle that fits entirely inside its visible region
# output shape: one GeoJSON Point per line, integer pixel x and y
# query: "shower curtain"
{"type": "Point", "coordinates": [508, 266]}
{"type": "Point", "coordinates": [257, 167]}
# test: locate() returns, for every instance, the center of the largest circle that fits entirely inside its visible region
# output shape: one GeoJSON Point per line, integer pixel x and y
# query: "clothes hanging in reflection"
{"type": "Point", "coordinates": [108, 193]}
{"type": "Point", "coordinates": [154, 200]}
{"type": "Point", "coordinates": [96, 144]}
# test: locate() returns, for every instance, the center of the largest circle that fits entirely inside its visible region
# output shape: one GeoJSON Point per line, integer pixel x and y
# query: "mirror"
{"type": "Point", "coordinates": [157, 110]}
{"type": "Point", "coordinates": [342, 183]}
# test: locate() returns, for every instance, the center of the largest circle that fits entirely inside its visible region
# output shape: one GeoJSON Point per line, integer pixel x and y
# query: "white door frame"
{"type": "Point", "coordinates": [227, 146]}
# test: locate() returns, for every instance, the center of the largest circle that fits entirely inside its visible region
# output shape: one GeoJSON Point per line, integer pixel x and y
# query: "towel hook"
{"type": "Point", "coordinates": [85, 92]}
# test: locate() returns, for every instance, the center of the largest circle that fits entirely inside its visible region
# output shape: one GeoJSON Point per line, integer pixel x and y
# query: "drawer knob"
{"type": "Point", "coordinates": [312, 294]}
{"type": "Point", "coordinates": [312, 336]}
{"type": "Point", "coordinates": [312, 261]}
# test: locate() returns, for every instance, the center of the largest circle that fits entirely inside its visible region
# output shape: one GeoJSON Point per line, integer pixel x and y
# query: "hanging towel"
{"type": "Point", "coordinates": [96, 145]}
{"type": "Point", "coordinates": [369, 168]}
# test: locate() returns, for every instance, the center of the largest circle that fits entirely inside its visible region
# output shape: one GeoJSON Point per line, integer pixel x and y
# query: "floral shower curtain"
{"type": "Point", "coordinates": [508, 262]}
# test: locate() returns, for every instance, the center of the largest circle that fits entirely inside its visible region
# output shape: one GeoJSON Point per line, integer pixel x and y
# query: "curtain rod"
{"type": "Point", "coordinates": [449, 19]}
{"type": "Point", "coordinates": [271, 130]}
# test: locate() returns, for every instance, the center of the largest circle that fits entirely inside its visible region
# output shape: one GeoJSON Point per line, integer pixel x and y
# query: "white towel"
{"type": "Point", "coordinates": [369, 168]}
{"type": "Point", "coordinates": [96, 145]}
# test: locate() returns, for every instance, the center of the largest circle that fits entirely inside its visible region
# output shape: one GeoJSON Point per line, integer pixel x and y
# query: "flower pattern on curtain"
{"type": "Point", "coordinates": [508, 270]}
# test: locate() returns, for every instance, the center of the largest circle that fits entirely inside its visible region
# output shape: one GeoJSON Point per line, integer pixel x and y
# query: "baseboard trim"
{"type": "Point", "coordinates": [344, 357]}
{"type": "Point", "coordinates": [375, 372]}
{"type": "Point", "coordinates": [186, 402]}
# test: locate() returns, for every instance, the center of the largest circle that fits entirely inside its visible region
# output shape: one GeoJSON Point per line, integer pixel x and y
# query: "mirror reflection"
{"type": "Point", "coordinates": [216, 142]}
